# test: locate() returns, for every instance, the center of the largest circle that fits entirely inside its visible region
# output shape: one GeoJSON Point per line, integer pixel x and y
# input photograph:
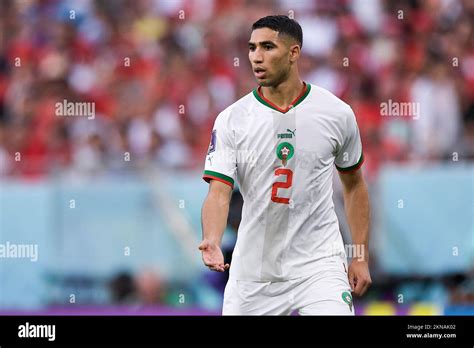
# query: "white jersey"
{"type": "Point", "coordinates": [283, 162]}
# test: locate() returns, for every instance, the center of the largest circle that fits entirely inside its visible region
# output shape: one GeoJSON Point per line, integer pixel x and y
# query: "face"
{"type": "Point", "coordinates": [272, 56]}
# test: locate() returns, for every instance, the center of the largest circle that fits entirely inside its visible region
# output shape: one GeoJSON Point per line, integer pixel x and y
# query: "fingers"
{"type": "Point", "coordinates": [205, 258]}
{"type": "Point", "coordinates": [211, 258]}
{"type": "Point", "coordinates": [221, 267]}
{"type": "Point", "coordinates": [361, 286]}
{"type": "Point", "coordinates": [358, 289]}
{"type": "Point", "coordinates": [214, 265]}
{"type": "Point", "coordinates": [217, 267]}
{"type": "Point", "coordinates": [359, 277]}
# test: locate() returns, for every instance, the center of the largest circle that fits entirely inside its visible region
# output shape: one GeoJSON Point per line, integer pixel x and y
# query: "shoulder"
{"type": "Point", "coordinates": [324, 99]}
{"type": "Point", "coordinates": [236, 110]}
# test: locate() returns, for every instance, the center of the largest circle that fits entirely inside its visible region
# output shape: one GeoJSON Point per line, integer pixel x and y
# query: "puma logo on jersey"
{"type": "Point", "coordinates": [287, 135]}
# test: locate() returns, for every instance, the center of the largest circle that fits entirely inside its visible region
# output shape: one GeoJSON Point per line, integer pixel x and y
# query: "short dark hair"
{"type": "Point", "coordinates": [281, 24]}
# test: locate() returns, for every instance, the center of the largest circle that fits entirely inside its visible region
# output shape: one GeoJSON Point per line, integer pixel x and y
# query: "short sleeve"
{"type": "Point", "coordinates": [349, 158]}
{"type": "Point", "coordinates": [221, 161]}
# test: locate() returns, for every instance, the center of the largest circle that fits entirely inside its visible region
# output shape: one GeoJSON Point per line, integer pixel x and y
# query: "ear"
{"type": "Point", "coordinates": [295, 52]}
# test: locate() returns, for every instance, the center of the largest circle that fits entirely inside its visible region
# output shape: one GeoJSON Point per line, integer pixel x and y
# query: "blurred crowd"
{"type": "Point", "coordinates": [159, 72]}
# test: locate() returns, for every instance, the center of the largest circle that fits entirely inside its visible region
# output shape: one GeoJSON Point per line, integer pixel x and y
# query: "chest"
{"type": "Point", "coordinates": [309, 135]}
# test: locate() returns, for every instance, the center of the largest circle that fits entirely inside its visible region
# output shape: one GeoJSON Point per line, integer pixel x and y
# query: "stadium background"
{"type": "Point", "coordinates": [113, 203]}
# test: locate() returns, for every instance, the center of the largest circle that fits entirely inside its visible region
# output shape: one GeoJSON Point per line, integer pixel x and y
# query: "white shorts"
{"type": "Point", "coordinates": [327, 292]}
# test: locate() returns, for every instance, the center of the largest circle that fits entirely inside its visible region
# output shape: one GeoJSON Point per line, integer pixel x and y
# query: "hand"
{"type": "Point", "coordinates": [359, 277]}
{"type": "Point", "coordinates": [212, 256]}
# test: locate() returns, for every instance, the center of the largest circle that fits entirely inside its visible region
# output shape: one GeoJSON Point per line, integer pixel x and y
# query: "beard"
{"type": "Point", "coordinates": [279, 78]}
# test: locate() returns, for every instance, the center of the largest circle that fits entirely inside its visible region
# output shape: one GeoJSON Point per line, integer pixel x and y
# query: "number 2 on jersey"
{"type": "Point", "coordinates": [282, 184]}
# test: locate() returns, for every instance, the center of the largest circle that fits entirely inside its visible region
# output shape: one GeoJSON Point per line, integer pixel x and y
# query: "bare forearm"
{"type": "Point", "coordinates": [214, 218]}
{"type": "Point", "coordinates": [358, 215]}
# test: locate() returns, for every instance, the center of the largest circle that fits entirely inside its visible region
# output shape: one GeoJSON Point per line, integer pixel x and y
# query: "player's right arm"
{"type": "Point", "coordinates": [215, 210]}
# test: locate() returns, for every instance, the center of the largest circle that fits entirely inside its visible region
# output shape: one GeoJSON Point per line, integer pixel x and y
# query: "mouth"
{"type": "Point", "coordinates": [259, 72]}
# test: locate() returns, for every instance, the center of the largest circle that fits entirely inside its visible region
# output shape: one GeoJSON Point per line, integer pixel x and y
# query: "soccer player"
{"type": "Point", "coordinates": [279, 143]}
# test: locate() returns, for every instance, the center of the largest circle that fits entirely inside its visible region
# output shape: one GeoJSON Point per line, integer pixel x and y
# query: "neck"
{"type": "Point", "coordinates": [285, 93]}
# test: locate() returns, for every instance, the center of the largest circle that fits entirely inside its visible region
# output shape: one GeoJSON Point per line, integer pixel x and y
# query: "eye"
{"type": "Point", "coordinates": [268, 47]}
{"type": "Point", "coordinates": [251, 48]}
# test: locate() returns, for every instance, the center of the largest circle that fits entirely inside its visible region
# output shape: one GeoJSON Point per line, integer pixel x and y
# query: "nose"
{"type": "Point", "coordinates": [256, 56]}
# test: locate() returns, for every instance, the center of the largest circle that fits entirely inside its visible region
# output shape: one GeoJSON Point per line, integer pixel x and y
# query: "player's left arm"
{"type": "Point", "coordinates": [356, 201]}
